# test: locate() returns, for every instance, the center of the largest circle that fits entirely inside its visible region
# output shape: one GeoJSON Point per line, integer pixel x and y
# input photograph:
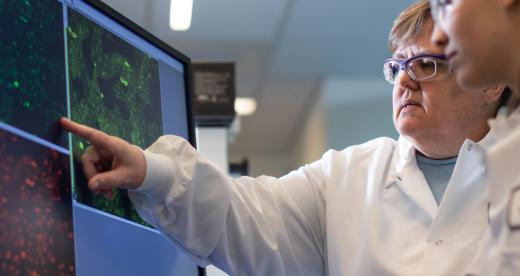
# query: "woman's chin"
{"type": "Point", "coordinates": [409, 127]}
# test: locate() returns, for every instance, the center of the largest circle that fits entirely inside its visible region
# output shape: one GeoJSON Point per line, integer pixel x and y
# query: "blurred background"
{"type": "Point", "coordinates": [313, 67]}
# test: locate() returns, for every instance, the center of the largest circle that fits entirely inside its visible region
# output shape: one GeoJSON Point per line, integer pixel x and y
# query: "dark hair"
{"type": "Point", "coordinates": [504, 99]}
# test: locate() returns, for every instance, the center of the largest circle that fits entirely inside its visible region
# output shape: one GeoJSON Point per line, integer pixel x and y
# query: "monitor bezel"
{"type": "Point", "coordinates": [152, 39]}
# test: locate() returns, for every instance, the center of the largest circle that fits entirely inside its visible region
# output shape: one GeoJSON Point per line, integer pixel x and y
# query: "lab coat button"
{"type": "Point", "coordinates": [470, 147]}
{"type": "Point", "coordinates": [439, 242]}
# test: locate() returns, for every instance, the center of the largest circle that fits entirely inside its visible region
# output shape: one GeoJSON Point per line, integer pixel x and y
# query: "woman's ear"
{"type": "Point", "coordinates": [493, 94]}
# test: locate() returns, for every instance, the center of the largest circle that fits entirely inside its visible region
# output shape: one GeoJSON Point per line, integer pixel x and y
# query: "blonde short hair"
{"type": "Point", "coordinates": [410, 25]}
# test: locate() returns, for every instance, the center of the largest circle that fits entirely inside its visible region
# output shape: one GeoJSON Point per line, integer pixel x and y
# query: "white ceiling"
{"type": "Point", "coordinates": [283, 50]}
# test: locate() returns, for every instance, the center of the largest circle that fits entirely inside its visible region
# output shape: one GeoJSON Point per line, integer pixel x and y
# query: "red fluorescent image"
{"type": "Point", "coordinates": [36, 236]}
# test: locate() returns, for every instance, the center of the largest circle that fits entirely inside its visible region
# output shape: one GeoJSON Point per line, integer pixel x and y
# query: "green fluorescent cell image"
{"type": "Point", "coordinates": [114, 87]}
{"type": "Point", "coordinates": [32, 68]}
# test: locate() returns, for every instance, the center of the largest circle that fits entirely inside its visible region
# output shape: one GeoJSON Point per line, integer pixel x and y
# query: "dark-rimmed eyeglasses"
{"type": "Point", "coordinates": [419, 68]}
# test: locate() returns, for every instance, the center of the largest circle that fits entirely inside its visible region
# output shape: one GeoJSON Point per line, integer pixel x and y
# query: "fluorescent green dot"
{"type": "Point", "coordinates": [26, 104]}
{"type": "Point", "coordinates": [102, 96]}
{"type": "Point", "coordinates": [123, 81]}
{"type": "Point", "coordinates": [16, 84]}
{"type": "Point", "coordinates": [81, 145]}
{"type": "Point", "coordinates": [127, 64]}
{"type": "Point", "coordinates": [72, 33]}
{"type": "Point", "coordinates": [27, 3]}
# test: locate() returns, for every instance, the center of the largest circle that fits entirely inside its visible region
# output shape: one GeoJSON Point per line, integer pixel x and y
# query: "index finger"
{"type": "Point", "coordinates": [93, 136]}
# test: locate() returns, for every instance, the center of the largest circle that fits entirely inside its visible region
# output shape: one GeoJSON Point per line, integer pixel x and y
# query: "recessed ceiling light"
{"type": "Point", "coordinates": [180, 14]}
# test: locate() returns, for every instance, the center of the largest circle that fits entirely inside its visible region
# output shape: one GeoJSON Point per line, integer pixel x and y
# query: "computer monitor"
{"type": "Point", "coordinates": [83, 60]}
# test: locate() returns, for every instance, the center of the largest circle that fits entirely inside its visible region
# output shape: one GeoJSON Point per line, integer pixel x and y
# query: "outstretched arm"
{"type": "Point", "coordinates": [246, 226]}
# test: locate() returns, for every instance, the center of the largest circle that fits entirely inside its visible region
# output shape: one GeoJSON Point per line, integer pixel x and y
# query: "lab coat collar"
{"type": "Point", "coordinates": [406, 151]}
{"type": "Point", "coordinates": [410, 179]}
{"type": "Point", "coordinates": [504, 123]}
{"type": "Point", "coordinates": [504, 156]}
{"type": "Point", "coordinates": [489, 140]}
{"type": "Point", "coordinates": [406, 154]}
{"type": "Point", "coordinates": [462, 213]}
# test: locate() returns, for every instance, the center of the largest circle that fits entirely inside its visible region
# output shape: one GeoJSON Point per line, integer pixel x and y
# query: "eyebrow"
{"type": "Point", "coordinates": [399, 56]}
{"type": "Point", "coordinates": [422, 52]}
{"type": "Point", "coordinates": [426, 53]}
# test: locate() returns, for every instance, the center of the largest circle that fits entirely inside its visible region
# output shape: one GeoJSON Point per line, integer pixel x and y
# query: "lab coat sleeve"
{"type": "Point", "coordinates": [245, 226]}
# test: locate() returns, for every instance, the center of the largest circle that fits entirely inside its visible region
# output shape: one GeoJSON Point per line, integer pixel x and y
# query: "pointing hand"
{"type": "Point", "coordinates": [109, 162]}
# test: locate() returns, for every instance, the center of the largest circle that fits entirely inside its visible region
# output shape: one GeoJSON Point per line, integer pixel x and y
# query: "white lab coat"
{"type": "Point", "coordinates": [500, 251]}
{"type": "Point", "coordinates": [366, 210]}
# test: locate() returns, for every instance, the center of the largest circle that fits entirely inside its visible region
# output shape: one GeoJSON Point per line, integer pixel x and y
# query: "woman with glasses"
{"type": "Point", "coordinates": [482, 40]}
{"type": "Point", "coordinates": [386, 207]}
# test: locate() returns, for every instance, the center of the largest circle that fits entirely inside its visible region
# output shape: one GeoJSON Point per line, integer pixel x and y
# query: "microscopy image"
{"type": "Point", "coordinates": [36, 235]}
{"type": "Point", "coordinates": [114, 87]}
{"type": "Point", "coordinates": [32, 67]}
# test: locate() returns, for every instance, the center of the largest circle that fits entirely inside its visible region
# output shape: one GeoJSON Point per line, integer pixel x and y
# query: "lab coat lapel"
{"type": "Point", "coordinates": [415, 186]}
{"type": "Point", "coordinates": [504, 155]}
{"type": "Point", "coordinates": [411, 180]}
{"type": "Point", "coordinates": [463, 210]}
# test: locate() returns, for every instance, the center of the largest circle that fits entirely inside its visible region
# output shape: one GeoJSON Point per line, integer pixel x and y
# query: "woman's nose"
{"type": "Point", "coordinates": [439, 37]}
{"type": "Point", "coordinates": [405, 81]}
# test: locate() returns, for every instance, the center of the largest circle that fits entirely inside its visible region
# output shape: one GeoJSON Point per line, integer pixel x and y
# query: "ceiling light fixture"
{"type": "Point", "coordinates": [245, 106]}
{"type": "Point", "coordinates": [180, 14]}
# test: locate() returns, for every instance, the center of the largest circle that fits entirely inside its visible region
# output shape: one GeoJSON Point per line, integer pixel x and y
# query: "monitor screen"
{"type": "Point", "coordinates": [35, 208]}
{"type": "Point", "coordinates": [36, 221]}
{"type": "Point", "coordinates": [82, 60]}
{"type": "Point", "coordinates": [123, 85]}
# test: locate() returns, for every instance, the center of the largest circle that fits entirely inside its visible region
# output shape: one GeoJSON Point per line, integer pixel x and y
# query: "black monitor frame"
{"type": "Point", "coordinates": [152, 39]}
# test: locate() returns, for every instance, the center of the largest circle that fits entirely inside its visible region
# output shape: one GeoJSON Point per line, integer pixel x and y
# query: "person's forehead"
{"type": "Point", "coordinates": [415, 47]}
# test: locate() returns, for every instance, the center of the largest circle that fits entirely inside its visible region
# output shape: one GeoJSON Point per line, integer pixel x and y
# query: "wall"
{"type": "Point", "coordinates": [311, 142]}
{"type": "Point", "coordinates": [273, 162]}
{"type": "Point", "coordinates": [347, 112]}
{"type": "Point", "coordinates": [357, 110]}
